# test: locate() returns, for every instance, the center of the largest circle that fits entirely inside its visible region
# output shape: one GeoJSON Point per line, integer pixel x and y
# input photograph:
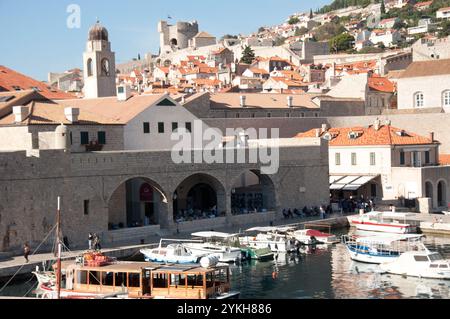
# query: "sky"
{"type": "Point", "coordinates": [36, 38]}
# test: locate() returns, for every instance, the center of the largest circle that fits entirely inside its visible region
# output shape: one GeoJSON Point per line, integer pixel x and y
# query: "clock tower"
{"type": "Point", "coordinates": [99, 65]}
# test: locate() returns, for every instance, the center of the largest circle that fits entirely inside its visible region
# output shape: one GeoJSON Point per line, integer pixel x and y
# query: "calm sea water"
{"type": "Point", "coordinates": [321, 273]}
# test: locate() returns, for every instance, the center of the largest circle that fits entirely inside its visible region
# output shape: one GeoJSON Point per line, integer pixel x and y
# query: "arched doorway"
{"type": "Point", "coordinates": [174, 42]}
{"type": "Point", "coordinates": [442, 194]}
{"type": "Point", "coordinates": [252, 192]}
{"type": "Point", "coordinates": [429, 192]}
{"type": "Point", "coordinates": [137, 202]}
{"type": "Point", "coordinates": [199, 196]}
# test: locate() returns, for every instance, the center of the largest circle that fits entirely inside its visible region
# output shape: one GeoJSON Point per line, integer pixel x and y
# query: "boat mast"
{"type": "Point", "coordinates": [58, 240]}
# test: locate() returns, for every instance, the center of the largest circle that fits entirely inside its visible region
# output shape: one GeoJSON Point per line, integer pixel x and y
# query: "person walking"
{"type": "Point", "coordinates": [26, 251]}
{"type": "Point", "coordinates": [97, 242]}
{"type": "Point", "coordinates": [90, 239]}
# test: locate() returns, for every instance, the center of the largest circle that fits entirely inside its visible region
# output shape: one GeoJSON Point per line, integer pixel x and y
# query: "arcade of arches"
{"type": "Point", "coordinates": [137, 202]}
{"type": "Point", "coordinates": [438, 193]}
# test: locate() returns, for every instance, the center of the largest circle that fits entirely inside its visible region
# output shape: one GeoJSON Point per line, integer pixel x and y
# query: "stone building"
{"type": "Point", "coordinates": [425, 85]}
{"type": "Point", "coordinates": [176, 37]}
{"type": "Point", "coordinates": [99, 64]}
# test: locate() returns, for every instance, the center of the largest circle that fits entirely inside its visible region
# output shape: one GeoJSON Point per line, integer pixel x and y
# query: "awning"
{"type": "Point", "coordinates": [350, 183]}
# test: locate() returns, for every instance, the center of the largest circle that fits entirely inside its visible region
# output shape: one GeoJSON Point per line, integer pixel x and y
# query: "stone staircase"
{"type": "Point", "coordinates": [129, 235]}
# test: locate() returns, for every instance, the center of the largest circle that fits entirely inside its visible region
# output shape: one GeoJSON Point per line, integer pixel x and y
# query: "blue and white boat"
{"type": "Point", "coordinates": [176, 253]}
{"type": "Point", "coordinates": [379, 249]}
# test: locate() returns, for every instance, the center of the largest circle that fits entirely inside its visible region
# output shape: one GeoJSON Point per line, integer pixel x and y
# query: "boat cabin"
{"type": "Point", "coordinates": [149, 280]}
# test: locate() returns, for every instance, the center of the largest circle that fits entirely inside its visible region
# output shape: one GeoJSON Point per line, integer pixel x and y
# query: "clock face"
{"type": "Point", "coordinates": [105, 67]}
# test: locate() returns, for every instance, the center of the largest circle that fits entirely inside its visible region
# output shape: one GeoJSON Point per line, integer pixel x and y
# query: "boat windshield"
{"type": "Point", "coordinates": [435, 257]}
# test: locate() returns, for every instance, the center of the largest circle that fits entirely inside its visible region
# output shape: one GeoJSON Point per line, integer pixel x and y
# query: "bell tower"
{"type": "Point", "coordinates": [99, 64]}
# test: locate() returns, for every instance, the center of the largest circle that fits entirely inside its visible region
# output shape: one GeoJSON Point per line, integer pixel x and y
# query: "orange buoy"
{"type": "Point", "coordinates": [275, 275]}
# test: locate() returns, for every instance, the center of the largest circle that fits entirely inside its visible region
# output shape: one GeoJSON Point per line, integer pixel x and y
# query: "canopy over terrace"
{"type": "Point", "coordinates": [350, 183]}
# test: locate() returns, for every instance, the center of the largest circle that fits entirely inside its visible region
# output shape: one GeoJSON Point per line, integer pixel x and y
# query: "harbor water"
{"type": "Point", "coordinates": [323, 272]}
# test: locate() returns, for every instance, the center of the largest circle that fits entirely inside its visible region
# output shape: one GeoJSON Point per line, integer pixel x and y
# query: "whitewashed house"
{"type": "Point", "coordinates": [425, 84]}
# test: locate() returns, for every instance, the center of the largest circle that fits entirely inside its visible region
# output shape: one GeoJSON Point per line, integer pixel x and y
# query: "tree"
{"type": "Point", "coordinates": [293, 20]}
{"type": "Point", "coordinates": [445, 29]}
{"type": "Point", "coordinates": [383, 7]}
{"type": "Point", "coordinates": [341, 42]}
{"type": "Point", "coordinates": [248, 55]}
{"type": "Point", "coordinates": [381, 45]}
{"type": "Point", "coordinates": [311, 14]}
{"type": "Point", "coordinates": [262, 29]}
{"type": "Point", "coordinates": [399, 25]}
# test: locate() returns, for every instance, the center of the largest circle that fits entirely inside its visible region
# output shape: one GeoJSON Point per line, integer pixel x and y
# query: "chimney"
{"type": "Point", "coordinates": [20, 113]}
{"type": "Point", "coordinates": [377, 125]}
{"type": "Point", "coordinates": [317, 132]}
{"type": "Point", "coordinates": [388, 123]}
{"type": "Point", "coordinates": [243, 100]}
{"type": "Point", "coordinates": [324, 128]}
{"type": "Point", "coordinates": [124, 92]}
{"type": "Point", "coordinates": [432, 136]}
{"type": "Point", "coordinates": [72, 114]}
{"type": "Point", "coordinates": [290, 101]}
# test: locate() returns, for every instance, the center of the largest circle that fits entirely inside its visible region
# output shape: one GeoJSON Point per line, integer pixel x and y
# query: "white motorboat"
{"type": "Point", "coordinates": [379, 249]}
{"type": "Point", "coordinates": [382, 222]}
{"type": "Point", "coordinates": [215, 244]}
{"type": "Point", "coordinates": [276, 238]}
{"type": "Point", "coordinates": [312, 237]}
{"type": "Point", "coordinates": [421, 263]}
{"type": "Point", "coordinates": [174, 253]}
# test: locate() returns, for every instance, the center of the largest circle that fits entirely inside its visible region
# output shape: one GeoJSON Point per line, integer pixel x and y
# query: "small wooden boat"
{"type": "Point", "coordinates": [379, 249]}
{"type": "Point", "coordinates": [313, 237]}
{"type": "Point", "coordinates": [174, 253]}
{"type": "Point", "coordinates": [141, 280]}
{"type": "Point", "coordinates": [275, 238]}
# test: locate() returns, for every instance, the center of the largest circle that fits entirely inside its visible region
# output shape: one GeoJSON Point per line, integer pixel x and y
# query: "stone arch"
{"type": "Point", "coordinates": [199, 196]}
{"type": "Point", "coordinates": [252, 191]}
{"type": "Point", "coordinates": [137, 201]}
{"type": "Point", "coordinates": [442, 200]}
{"type": "Point", "coordinates": [174, 42]}
{"type": "Point", "coordinates": [105, 67]}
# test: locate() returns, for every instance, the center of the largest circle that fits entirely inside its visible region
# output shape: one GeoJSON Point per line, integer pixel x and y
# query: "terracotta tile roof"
{"type": "Point", "coordinates": [258, 71]}
{"type": "Point", "coordinates": [107, 111]}
{"type": "Point", "coordinates": [381, 84]}
{"type": "Point", "coordinates": [444, 159]}
{"type": "Point", "coordinates": [207, 82]}
{"type": "Point", "coordinates": [195, 57]}
{"type": "Point", "coordinates": [292, 75]}
{"type": "Point", "coordinates": [423, 4]}
{"type": "Point", "coordinates": [263, 100]}
{"type": "Point", "coordinates": [16, 98]}
{"type": "Point", "coordinates": [387, 20]}
{"type": "Point", "coordinates": [386, 135]}
{"type": "Point", "coordinates": [288, 82]}
{"type": "Point", "coordinates": [427, 68]}
{"type": "Point", "coordinates": [11, 80]}
{"type": "Point", "coordinates": [166, 70]}
{"type": "Point", "coordinates": [220, 51]}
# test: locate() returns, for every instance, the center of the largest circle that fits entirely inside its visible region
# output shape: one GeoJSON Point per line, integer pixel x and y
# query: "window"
{"type": "Point", "coordinates": [189, 127]}
{"type": "Point", "coordinates": [160, 127]}
{"type": "Point", "coordinates": [269, 114]}
{"type": "Point", "coordinates": [402, 158]}
{"type": "Point", "coordinates": [71, 139]}
{"type": "Point", "coordinates": [421, 258]}
{"type": "Point", "coordinates": [89, 67]}
{"type": "Point", "coordinates": [84, 138]}
{"type": "Point", "coordinates": [146, 127]}
{"type": "Point", "coordinates": [102, 138]}
{"type": "Point", "coordinates": [418, 99]}
{"type": "Point", "coordinates": [120, 89]}
{"type": "Point", "coordinates": [86, 207]}
{"type": "Point", "coordinates": [354, 159]}
{"type": "Point", "coordinates": [337, 158]}
{"type": "Point", "coordinates": [166, 102]}
{"type": "Point", "coordinates": [427, 157]}
{"type": "Point", "coordinates": [372, 159]}
{"type": "Point", "coordinates": [174, 126]}
{"type": "Point", "coordinates": [238, 115]}
{"type": "Point", "coordinates": [446, 99]}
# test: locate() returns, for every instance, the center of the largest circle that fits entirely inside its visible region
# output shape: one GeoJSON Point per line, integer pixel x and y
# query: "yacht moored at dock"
{"type": "Point", "coordinates": [383, 222]}
{"type": "Point", "coordinates": [275, 238]}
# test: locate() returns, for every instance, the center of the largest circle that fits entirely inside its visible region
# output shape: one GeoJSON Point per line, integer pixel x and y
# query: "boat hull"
{"type": "Point", "coordinates": [368, 256]}
{"type": "Point", "coordinates": [385, 228]}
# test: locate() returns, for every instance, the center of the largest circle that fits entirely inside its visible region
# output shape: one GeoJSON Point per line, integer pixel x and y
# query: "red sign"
{"type": "Point", "coordinates": [146, 193]}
